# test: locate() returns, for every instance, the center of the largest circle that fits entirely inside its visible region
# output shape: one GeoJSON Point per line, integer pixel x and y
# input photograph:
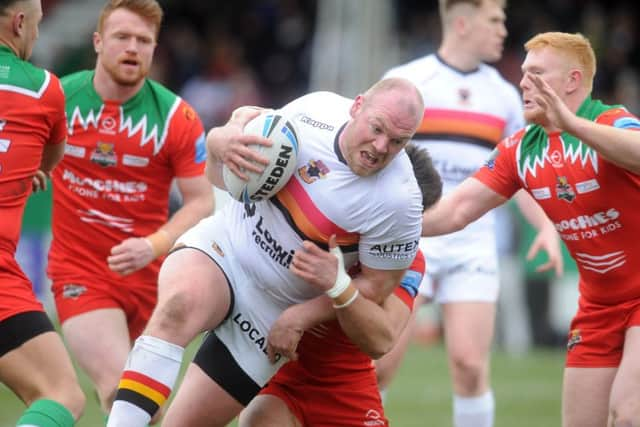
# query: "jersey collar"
{"type": "Point", "coordinates": [336, 144]}
{"type": "Point", "coordinates": [457, 70]}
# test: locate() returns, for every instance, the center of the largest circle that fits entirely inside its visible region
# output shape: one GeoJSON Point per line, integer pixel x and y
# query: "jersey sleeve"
{"type": "Point", "coordinates": [410, 283]}
{"type": "Point", "coordinates": [619, 118]}
{"type": "Point", "coordinates": [499, 172]}
{"type": "Point", "coordinates": [55, 98]}
{"type": "Point", "coordinates": [188, 148]}
{"type": "Point", "coordinates": [392, 240]}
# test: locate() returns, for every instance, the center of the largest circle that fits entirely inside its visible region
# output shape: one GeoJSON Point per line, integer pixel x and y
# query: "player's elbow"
{"type": "Point", "coordinates": [380, 346]}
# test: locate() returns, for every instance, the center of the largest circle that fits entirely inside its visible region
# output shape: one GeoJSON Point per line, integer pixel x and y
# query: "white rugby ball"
{"type": "Point", "coordinates": [282, 157]}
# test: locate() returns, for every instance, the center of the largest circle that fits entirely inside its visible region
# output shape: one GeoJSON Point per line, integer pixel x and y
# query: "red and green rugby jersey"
{"type": "Point", "coordinates": [31, 116]}
{"type": "Point", "coordinates": [114, 180]}
{"type": "Point", "coordinates": [593, 203]}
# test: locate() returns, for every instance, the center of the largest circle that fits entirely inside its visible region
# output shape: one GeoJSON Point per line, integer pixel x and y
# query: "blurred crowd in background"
{"type": "Point", "coordinates": [221, 54]}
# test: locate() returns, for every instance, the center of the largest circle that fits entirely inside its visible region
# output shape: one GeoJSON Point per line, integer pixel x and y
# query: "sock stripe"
{"type": "Point", "coordinates": [137, 399]}
{"type": "Point", "coordinates": [142, 389]}
{"type": "Point", "coordinates": [147, 382]}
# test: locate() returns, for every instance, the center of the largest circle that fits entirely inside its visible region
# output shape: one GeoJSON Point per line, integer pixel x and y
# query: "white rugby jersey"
{"type": "Point", "coordinates": [466, 115]}
{"type": "Point", "coordinates": [376, 219]}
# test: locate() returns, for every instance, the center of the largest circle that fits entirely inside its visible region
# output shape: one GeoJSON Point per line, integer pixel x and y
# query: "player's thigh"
{"type": "Point", "coordinates": [200, 402]}
{"type": "Point", "coordinates": [625, 392]}
{"type": "Point", "coordinates": [99, 341]}
{"type": "Point", "coordinates": [41, 367]}
{"type": "Point", "coordinates": [585, 396]}
{"type": "Point", "coordinates": [266, 410]}
{"type": "Point", "coordinates": [468, 328]}
{"type": "Point", "coordinates": [193, 296]}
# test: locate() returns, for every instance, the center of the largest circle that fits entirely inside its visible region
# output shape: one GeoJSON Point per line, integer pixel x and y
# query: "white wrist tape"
{"type": "Point", "coordinates": [348, 302]}
{"type": "Point", "coordinates": [343, 279]}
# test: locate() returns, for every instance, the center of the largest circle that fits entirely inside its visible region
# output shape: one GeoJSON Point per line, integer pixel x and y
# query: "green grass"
{"type": "Point", "coordinates": [527, 390]}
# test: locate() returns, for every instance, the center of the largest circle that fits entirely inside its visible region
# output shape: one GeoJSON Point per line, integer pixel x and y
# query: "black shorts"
{"type": "Point", "coordinates": [18, 329]}
{"type": "Point", "coordinates": [214, 359]}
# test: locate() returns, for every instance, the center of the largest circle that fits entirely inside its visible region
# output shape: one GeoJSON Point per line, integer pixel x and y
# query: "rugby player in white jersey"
{"type": "Point", "coordinates": [469, 108]}
{"type": "Point", "coordinates": [231, 274]}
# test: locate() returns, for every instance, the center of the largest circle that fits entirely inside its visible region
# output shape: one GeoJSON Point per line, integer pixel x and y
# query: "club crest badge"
{"type": "Point", "coordinates": [564, 190]}
{"type": "Point", "coordinates": [104, 155]}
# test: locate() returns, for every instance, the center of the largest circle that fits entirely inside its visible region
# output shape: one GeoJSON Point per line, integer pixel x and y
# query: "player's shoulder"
{"type": "Point", "coordinates": [498, 80]}
{"type": "Point", "coordinates": [76, 82]}
{"type": "Point", "coordinates": [320, 104]}
{"type": "Point", "coordinates": [28, 78]}
{"type": "Point", "coordinates": [415, 68]}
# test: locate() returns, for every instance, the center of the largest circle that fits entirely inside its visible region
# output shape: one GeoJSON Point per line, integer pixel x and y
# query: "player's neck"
{"type": "Point", "coordinates": [108, 89]}
{"type": "Point", "coordinates": [457, 58]}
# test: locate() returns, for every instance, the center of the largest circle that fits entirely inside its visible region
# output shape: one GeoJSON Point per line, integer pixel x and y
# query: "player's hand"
{"type": "Point", "coordinates": [315, 265]}
{"type": "Point", "coordinates": [39, 181]}
{"type": "Point", "coordinates": [555, 109]}
{"type": "Point", "coordinates": [548, 240]}
{"type": "Point", "coordinates": [229, 145]}
{"type": "Point", "coordinates": [284, 336]}
{"type": "Point", "coordinates": [130, 255]}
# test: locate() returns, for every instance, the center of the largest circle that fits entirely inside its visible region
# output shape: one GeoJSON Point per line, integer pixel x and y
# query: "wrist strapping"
{"type": "Point", "coordinates": [160, 242]}
{"type": "Point", "coordinates": [348, 302]}
{"type": "Point", "coordinates": [342, 280]}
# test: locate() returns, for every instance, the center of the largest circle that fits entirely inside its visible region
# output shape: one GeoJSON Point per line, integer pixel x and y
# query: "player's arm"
{"type": "Point", "coordinates": [619, 145]}
{"type": "Point", "coordinates": [466, 203]}
{"type": "Point", "coordinates": [547, 238]}
{"type": "Point", "coordinates": [228, 145]}
{"type": "Point", "coordinates": [51, 156]}
{"type": "Point", "coordinates": [197, 203]}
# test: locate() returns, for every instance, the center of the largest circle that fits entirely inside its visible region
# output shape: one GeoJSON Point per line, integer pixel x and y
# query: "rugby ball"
{"type": "Point", "coordinates": [282, 157]}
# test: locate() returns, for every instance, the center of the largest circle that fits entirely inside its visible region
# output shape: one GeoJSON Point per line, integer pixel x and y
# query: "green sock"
{"type": "Point", "coordinates": [46, 413]}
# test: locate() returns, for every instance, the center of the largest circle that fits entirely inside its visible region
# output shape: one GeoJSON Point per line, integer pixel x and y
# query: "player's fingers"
{"type": "Point", "coordinates": [332, 241]}
{"type": "Point", "coordinates": [533, 251]}
{"type": "Point", "coordinates": [544, 267]}
{"type": "Point", "coordinates": [271, 353]}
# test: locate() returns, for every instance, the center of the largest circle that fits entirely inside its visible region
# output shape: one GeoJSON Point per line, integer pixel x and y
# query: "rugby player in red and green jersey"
{"type": "Point", "coordinates": [33, 360]}
{"type": "Point", "coordinates": [580, 160]}
{"type": "Point", "coordinates": [129, 138]}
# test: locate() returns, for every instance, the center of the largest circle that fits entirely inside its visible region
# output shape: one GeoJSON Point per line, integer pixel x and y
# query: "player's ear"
{"type": "Point", "coordinates": [18, 23]}
{"type": "Point", "coordinates": [574, 80]}
{"type": "Point", "coordinates": [97, 42]}
{"type": "Point", "coordinates": [357, 105]}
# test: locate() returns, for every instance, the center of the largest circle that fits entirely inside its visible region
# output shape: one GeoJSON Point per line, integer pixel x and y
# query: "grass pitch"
{"type": "Point", "coordinates": [527, 389]}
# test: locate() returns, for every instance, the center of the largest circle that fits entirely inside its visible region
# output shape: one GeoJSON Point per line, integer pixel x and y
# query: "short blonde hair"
{"type": "Point", "coordinates": [446, 5]}
{"type": "Point", "coordinates": [150, 10]}
{"type": "Point", "coordinates": [575, 46]}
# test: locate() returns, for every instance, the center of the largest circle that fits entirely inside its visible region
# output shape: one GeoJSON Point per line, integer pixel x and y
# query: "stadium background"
{"type": "Point", "coordinates": [221, 54]}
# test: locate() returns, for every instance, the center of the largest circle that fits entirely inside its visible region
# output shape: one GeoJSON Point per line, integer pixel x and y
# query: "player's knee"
{"type": "Point", "coordinates": [71, 396]}
{"type": "Point", "coordinates": [173, 311]}
{"type": "Point", "coordinates": [469, 372]}
{"type": "Point", "coordinates": [624, 415]}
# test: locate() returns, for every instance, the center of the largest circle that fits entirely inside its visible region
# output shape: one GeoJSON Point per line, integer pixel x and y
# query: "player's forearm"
{"type": "Point", "coordinates": [369, 326]}
{"type": "Point", "coordinates": [532, 211]}
{"type": "Point", "coordinates": [51, 156]}
{"type": "Point", "coordinates": [619, 146]}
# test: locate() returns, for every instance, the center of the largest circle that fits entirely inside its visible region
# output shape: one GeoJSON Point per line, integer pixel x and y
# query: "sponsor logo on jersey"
{"type": "Point", "coordinates": [587, 186]}
{"type": "Point", "coordinates": [373, 418]}
{"type": "Point", "coordinates": [574, 339]}
{"type": "Point", "coordinates": [316, 124]}
{"type": "Point", "coordinates": [74, 151]}
{"type": "Point", "coordinates": [108, 126]}
{"type": "Point", "coordinates": [189, 114]}
{"type": "Point", "coordinates": [136, 161]}
{"type": "Point", "coordinates": [556, 159]}
{"type": "Point", "coordinates": [584, 222]}
{"type": "Point", "coordinates": [71, 290]}
{"type": "Point", "coordinates": [254, 335]}
{"type": "Point", "coordinates": [269, 245]}
{"type": "Point", "coordinates": [564, 191]}
{"type": "Point", "coordinates": [4, 145]}
{"type": "Point", "coordinates": [396, 251]}
{"type": "Point", "coordinates": [104, 155]}
{"type": "Point", "coordinates": [313, 171]}
{"type": "Point", "coordinates": [543, 193]}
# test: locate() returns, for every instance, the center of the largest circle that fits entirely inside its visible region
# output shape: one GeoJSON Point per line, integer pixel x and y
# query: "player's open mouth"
{"type": "Point", "coordinates": [369, 159]}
